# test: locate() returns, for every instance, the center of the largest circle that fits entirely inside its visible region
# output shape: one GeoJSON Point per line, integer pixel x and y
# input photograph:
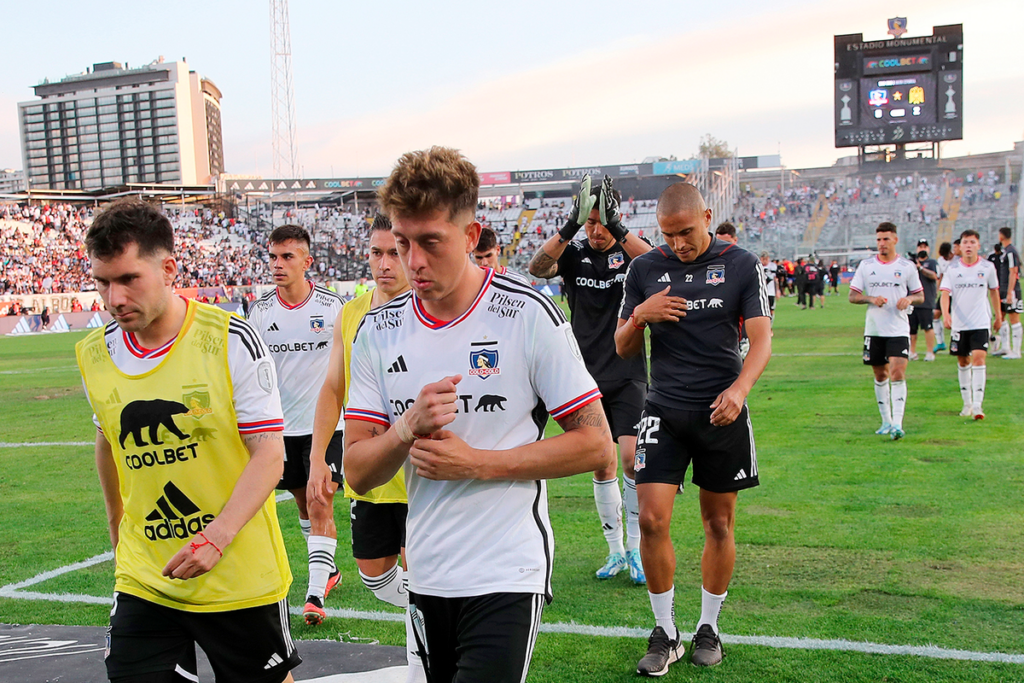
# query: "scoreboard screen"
{"type": "Point", "coordinates": [900, 90]}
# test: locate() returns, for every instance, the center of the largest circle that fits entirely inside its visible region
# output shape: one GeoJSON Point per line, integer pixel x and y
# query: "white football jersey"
{"type": "Point", "coordinates": [299, 338]}
{"type": "Point", "coordinates": [968, 293]}
{"type": "Point", "coordinates": [893, 280]}
{"type": "Point", "coordinates": [514, 349]}
{"type": "Point", "coordinates": [771, 271]}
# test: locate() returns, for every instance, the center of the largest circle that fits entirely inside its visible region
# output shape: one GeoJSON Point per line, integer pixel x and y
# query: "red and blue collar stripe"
{"type": "Point", "coordinates": [312, 288]}
{"type": "Point", "coordinates": [139, 351]}
{"type": "Point", "coordinates": [435, 324]}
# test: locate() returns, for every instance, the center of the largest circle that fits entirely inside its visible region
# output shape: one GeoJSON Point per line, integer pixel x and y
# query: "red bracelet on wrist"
{"type": "Point", "coordinates": [632, 321]}
{"type": "Point", "coordinates": [196, 546]}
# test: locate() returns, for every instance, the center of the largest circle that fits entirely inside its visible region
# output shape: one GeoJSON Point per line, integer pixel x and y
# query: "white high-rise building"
{"type": "Point", "coordinates": [114, 125]}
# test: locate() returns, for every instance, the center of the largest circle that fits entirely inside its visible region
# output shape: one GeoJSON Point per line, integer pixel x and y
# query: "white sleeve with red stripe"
{"type": "Point", "coordinates": [256, 408]}
{"type": "Point", "coordinates": [557, 371]}
{"type": "Point", "coordinates": [365, 400]}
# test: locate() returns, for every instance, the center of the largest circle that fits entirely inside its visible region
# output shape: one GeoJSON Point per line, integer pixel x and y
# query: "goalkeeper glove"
{"type": "Point", "coordinates": [608, 206]}
{"type": "Point", "coordinates": [581, 208]}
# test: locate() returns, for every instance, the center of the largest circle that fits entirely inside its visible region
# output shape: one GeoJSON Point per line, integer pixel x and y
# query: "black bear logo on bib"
{"type": "Point", "coordinates": [139, 415]}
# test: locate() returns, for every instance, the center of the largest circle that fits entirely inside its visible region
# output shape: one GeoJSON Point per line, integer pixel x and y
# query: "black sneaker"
{"type": "Point", "coordinates": [660, 653]}
{"type": "Point", "coordinates": [707, 648]}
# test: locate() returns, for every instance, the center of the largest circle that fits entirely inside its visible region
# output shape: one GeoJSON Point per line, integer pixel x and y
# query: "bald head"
{"type": "Point", "coordinates": [680, 198]}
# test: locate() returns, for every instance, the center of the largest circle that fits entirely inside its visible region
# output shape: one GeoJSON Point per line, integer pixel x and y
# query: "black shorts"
{"type": "Point", "coordinates": [146, 639]}
{"type": "Point", "coordinates": [623, 400]}
{"type": "Point", "coordinates": [878, 350]}
{"type": "Point", "coordinates": [724, 458]}
{"type": "Point", "coordinates": [1016, 307]}
{"type": "Point", "coordinates": [296, 460]}
{"type": "Point", "coordinates": [921, 318]}
{"type": "Point", "coordinates": [378, 529]}
{"type": "Point", "coordinates": [483, 639]}
{"type": "Point", "coordinates": [962, 342]}
{"type": "Point", "coordinates": [819, 287]}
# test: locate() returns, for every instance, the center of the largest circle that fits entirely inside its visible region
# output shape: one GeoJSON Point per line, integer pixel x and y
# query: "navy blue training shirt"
{"type": "Point", "coordinates": [697, 358]}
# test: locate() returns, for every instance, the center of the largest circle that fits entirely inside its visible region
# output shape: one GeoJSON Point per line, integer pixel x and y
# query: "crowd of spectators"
{"type": "Point", "coordinates": [41, 250]}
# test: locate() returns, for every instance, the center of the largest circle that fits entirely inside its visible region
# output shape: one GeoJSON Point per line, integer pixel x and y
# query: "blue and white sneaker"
{"type": "Point", "coordinates": [615, 563]}
{"type": "Point", "coordinates": [886, 428]}
{"type": "Point", "coordinates": [896, 434]}
{"type": "Point", "coordinates": [636, 567]}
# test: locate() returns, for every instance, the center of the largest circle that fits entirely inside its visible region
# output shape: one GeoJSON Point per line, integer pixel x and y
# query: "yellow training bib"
{"type": "Point", "coordinates": [351, 315]}
{"type": "Point", "coordinates": [174, 437]}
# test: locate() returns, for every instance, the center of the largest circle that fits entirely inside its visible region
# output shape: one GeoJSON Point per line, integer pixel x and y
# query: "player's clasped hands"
{"type": "Point", "coordinates": [661, 307]}
{"type": "Point", "coordinates": [444, 456]}
{"type": "Point", "coordinates": [434, 407]}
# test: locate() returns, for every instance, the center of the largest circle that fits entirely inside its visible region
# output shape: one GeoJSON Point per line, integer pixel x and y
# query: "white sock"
{"type": "Point", "coordinates": [306, 526]}
{"type": "Point", "coordinates": [963, 375]}
{"type": "Point", "coordinates": [978, 385]}
{"type": "Point", "coordinates": [710, 607]}
{"type": "Point", "coordinates": [898, 391]}
{"type": "Point", "coordinates": [1017, 335]}
{"type": "Point", "coordinates": [940, 336]}
{"type": "Point", "coordinates": [389, 586]}
{"type": "Point", "coordinates": [632, 513]}
{"type": "Point", "coordinates": [321, 563]}
{"type": "Point", "coordinates": [609, 510]}
{"type": "Point", "coordinates": [882, 396]}
{"type": "Point", "coordinates": [663, 606]}
{"type": "Point", "coordinates": [1004, 338]}
{"type": "Point", "coordinates": [414, 673]}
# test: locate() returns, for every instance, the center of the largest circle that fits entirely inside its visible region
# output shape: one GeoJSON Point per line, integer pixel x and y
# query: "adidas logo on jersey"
{"type": "Point", "coordinates": [274, 660]}
{"type": "Point", "coordinates": [584, 260]}
{"type": "Point", "coordinates": [273, 328]}
{"type": "Point", "coordinates": [175, 516]}
{"type": "Point", "coordinates": [742, 474]}
{"type": "Point", "coordinates": [665, 278]}
{"type": "Point", "coordinates": [398, 366]}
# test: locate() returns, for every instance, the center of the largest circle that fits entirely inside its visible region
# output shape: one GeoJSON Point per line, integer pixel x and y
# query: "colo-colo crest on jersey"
{"type": "Point", "coordinates": [483, 361]}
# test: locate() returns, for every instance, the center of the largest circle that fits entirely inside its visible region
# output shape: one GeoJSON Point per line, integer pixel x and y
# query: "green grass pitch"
{"type": "Point", "coordinates": [850, 536]}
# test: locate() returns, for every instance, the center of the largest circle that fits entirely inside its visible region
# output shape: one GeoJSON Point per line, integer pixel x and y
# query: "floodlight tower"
{"type": "Point", "coordinates": [282, 97]}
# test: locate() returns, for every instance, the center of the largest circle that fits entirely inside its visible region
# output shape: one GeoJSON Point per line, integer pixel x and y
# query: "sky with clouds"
{"type": "Point", "coordinates": [530, 84]}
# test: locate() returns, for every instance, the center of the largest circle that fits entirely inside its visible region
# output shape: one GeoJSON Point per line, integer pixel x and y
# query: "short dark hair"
{"type": "Point", "coordinates": [1005, 232]}
{"type": "Point", "coordinates": [129, 221]}
{"type": "Point", "coordinates": [956, 242]}
{"type": "Point", "coordinates": [595, 191]}
{"type": "Point", "coordinates": [970, 233]}
{"type": "Point", "coordinates": [283, 233]}
{"type": "Point", "coordinates": [945, 249]}
{"type": "Point", "coordinates": [488, 240]}
{"type": "Point", "coordinates": [380, 222]}
{"type": "Point", "coordinates": [886, 226]}
{"type": "Point", "coordinates": [726, 228]}
{"type": "Point", "coordinates": [998, 248]}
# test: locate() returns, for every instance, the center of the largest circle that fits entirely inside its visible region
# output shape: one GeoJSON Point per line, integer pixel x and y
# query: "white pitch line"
{"type": "Point", "coordinates": [54, 573]}
{"type": "Point", "coordinates": [801, 355]}
{"type": "Point", "coordinates": [29, 444]}
{"type": "Point", "coordinates": [30, 370]}
{"type": "Point", "coordinates": [778, 642]}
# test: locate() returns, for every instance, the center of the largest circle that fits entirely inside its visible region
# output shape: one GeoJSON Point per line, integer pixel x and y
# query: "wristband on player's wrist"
{"type": "Point", "coordinates": [632, 321]}
{"type": "Point", "coordinates": [403, 430]}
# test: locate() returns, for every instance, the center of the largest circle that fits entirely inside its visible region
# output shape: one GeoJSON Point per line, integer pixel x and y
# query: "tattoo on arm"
{"type": "Point", "coordinates": [590, 415]}
{"type": "Point", "coordinates": [253, 439]}
{"type": "Point", "coordinates": [543, 265]}
{"type": "Point", "coordinates": [375, 431]}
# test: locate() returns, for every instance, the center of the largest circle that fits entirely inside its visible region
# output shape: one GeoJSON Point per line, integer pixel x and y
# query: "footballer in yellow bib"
{"type": "Point", "coordinates": [188, 451]}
